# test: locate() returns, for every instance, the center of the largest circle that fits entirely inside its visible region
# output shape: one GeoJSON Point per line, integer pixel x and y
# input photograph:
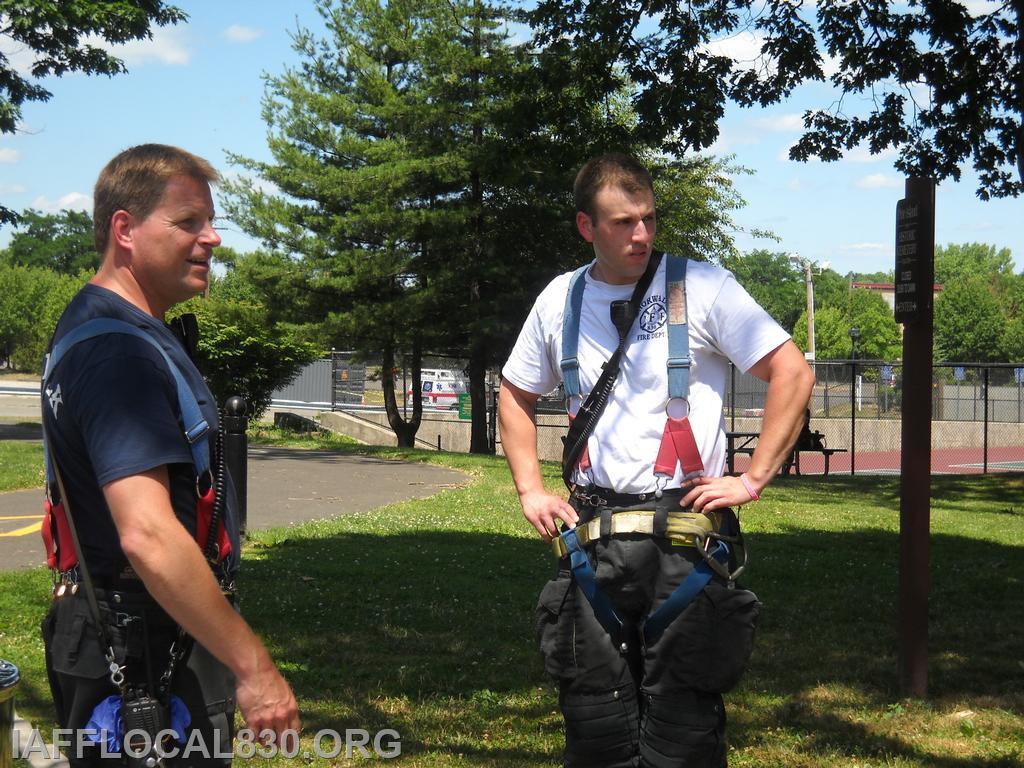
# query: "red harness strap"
{"type": "Point", "coordinates": [678, 446]}
{"type": "Point", "coordinates": [204, 512]}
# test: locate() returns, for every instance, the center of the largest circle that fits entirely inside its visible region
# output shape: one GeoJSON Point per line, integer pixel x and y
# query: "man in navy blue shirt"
{"type": "Point", "coordinates": [113, 419]}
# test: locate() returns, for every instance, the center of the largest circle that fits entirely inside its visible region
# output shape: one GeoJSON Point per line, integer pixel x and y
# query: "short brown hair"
{"type": "Point", "coordinates": [135, 181]}
{"type": "Point", "coordinates": [611, 170]}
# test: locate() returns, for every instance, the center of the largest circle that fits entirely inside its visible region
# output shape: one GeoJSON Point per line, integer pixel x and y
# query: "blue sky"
{"type": "Point", "coordinates": [198, 85]}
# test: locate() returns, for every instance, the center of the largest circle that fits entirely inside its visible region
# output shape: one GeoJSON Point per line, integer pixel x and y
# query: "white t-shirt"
{"type": "Point", "coordinates": [725, 323]}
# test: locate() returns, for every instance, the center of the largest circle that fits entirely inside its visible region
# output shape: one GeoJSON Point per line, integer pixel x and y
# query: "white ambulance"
{"type": "Point", "coordinates": [440, 388]}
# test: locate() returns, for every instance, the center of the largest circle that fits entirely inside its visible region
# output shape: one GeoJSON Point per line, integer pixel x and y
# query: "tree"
{"type": "Point", "coordinates": [774, 283]}
{"type": "Point", "coordinates": [31, 303]}
{"type": "Point", "coordinates": [62, 242]}
{"type": "Point", "coordinates": [863, 309]}
{"type": "Point", "coordinates": [969, 323]}
{"type": "Point", "coordinates": [62, 38]}
{"type": "Point", "coordinates": [426, 168]}
{"type": "Point", "coordinates": [969, 261]}
{"type": "Point", "coordinates": [239, 351]}
{"type": "Point", "coordinates": [1012, 344]}
{"type": "Point", "coordinates": [885, 55]}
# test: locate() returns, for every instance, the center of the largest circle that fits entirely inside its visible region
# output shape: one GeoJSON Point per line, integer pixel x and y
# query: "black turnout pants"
{"type": "Point", "coordinates": [626, 705]}
{"type": "Point", "coordinates": [79, 677]}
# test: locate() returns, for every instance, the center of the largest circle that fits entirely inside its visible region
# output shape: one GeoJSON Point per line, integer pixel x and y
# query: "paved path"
{"type": "Point", "coordinates": [286, 486]}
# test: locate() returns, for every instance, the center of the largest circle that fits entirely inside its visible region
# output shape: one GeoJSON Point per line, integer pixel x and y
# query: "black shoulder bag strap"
{"type": "Point", "coordinates": [624, 314]}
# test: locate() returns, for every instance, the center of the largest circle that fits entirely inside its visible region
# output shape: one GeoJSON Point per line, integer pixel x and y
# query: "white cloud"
{"type": "Point", "coordinates": [8, 155]}
{"type": "Point", "coordinates": [878, 181]}
{"type": "Point", "coordinates": [787, 123]}
{"type": "Point", "coordinates": [239, 33]}
{"type": "Point", "coordinates": [744, 49]}
{"type": "Point", "coordinates": [11, 189]}
{"type": "Point", "coordinates": [829, 65]}
{"type": "Point", "coordinates": [979, 7]}
{"type": "Point", "coordinates": [73, 201]}
{"type": "Point", "coordinates": [19, 57]}
{"type": "Point", "coordinates": [862, 154]}
{"type": "Point", "coordinates": [169, 45]}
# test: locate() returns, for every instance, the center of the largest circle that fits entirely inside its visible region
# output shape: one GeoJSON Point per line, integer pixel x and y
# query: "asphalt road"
{"type": "Point", "coordinates": [285, 486]}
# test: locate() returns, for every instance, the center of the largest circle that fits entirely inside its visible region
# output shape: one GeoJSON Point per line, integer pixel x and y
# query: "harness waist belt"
{"type": "Point", "coordinates": [684, 528]}
{"type": "Point", "coordinates": [596, 496]}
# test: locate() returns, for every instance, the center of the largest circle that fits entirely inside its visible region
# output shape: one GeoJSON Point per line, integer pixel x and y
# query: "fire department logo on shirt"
{"type": "Point", "coordinates": [653, 314]}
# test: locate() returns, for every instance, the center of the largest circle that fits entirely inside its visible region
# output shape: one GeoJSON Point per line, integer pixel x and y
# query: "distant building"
{"type": "Point", "coordinates": [888, 291]}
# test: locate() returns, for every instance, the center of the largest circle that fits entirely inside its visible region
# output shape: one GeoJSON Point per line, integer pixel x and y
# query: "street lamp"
{"type": "Point", "coordinates": [854, 335]}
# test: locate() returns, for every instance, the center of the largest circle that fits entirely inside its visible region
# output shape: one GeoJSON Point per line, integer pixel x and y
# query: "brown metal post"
{"type": "Point", "coordinates": [915, 228]}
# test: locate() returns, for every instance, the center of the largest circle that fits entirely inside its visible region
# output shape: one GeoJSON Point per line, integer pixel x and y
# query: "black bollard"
{"type": "Point", "coordinates": [236, 448]}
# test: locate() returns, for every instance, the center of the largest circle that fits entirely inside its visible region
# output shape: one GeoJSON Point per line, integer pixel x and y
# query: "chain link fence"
{"type": "Point", "coordinates": [977, 416]}
{"type": "Point", "coordinates": [977, 410]}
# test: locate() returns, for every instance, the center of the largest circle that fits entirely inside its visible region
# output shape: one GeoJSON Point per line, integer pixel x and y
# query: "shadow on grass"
{"type": "Point", "coordinates": [431, 634]}
{"type": "Point", "coordinates": [426, 633]}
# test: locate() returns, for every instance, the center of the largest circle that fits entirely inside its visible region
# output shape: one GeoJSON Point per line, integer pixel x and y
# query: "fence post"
{"type": "Point", "coordinates": [984, 441]}
{"type": "Point", "coordinates": [8, 682]}
{"type": "Point", "coordinates": [236, 449]}
{"type": "Point", "coordinates": [334, 378]}
{"type": "Point", "coordinates": [853, 416]}
{"type": "Point", "coordinates": [732, 397]}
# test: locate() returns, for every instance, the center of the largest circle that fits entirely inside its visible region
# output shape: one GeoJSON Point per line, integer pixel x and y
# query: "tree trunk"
{"type": "Point", "coordinates": [478, 442]}
{"type": "Point", "coordinates": [404, 430]}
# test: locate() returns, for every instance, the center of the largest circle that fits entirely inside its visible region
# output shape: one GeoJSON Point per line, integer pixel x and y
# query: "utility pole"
{"type": "Point", "coordinates": [809, 282]}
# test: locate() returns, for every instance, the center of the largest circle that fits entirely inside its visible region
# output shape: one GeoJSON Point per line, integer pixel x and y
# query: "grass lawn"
{"type": "Point", "coordinates": [418, 617]}
{"type": "Point", "coordinates": [21, 464]}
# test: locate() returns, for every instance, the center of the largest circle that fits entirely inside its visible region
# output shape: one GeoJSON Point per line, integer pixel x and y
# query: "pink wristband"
{"type": "Point", "coordinates": [750, 489]}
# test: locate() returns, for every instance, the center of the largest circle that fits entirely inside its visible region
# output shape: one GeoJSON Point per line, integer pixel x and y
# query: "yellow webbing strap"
{"type": "Point", "coordinates": [684, 528]}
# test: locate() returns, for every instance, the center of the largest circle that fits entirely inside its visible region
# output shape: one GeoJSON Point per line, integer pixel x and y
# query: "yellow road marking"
{"type": "Point", "coordinates": [20, 517]}
{"type": "Point", "coordinates": [24, 531]}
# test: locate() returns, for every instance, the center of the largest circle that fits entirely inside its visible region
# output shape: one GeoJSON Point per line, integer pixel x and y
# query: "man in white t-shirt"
{"type": "Point", "coordinates": [632, 697]}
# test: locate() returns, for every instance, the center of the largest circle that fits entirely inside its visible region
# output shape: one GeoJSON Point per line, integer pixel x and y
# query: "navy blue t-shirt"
{"type": "Point", "coordinates": [111, 411]}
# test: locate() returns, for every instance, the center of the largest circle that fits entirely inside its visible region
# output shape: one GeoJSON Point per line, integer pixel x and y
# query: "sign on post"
{"type": "Point", "coordinates": [911, 269]}
{"type": "Point", "coordinates": [465, 406]}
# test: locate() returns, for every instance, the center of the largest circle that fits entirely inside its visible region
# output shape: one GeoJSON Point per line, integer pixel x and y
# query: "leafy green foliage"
{"type": "Point", "coordinates": [885, 56]}
{"type": "Point", "coordinates": [62, 38]}
{"type": "Point", "coordinates": [62, 242]}
{"type": "Point", "coordinates": [241, 352]}
{"type": "Point", "coordinates": [31, 302]}
{"type": "Point", "coordinates": [774, 283]}
{"type": "Point", "coordinates": [969, 324]}
{"type": "Point", "coordinates": [862, 309]}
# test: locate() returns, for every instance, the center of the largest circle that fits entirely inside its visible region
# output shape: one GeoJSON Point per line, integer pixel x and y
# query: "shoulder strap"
{"type": "Point", "coordinates": [195, 427]}
{"type": "Point", "coordinates": [678, 331]}
{"type": "Point", "coordinates": [570, 364]}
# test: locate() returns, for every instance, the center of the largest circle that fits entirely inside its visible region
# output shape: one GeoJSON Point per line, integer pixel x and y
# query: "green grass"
{"type": "Point", "coordinates": [418, 617]}
{"type": "Point", "coordinates": [21, 464]}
